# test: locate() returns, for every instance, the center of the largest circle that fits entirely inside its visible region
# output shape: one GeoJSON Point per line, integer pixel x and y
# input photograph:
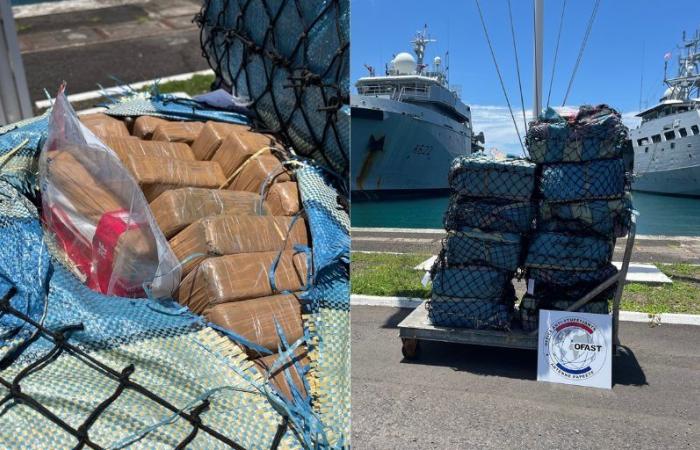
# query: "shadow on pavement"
{"type": "Point", "coordinates": [626, 369]}
{"type": "Point", "coordinates": [487, 361]}
{"type": "Point", "coordinates": [395, 319]}
{"type": "Point", "coordinates": [510, 363]}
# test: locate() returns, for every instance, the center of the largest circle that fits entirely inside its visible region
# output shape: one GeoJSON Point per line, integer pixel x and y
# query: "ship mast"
{"type": "Point", "coordinates": [537, 55]}
{"type": "Point", "coordinates": [419, 43]}
{"type": "Point", "coordinates": [687, 81]}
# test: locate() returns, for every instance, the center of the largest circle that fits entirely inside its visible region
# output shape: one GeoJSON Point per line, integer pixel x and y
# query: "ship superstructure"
{"type": "Point", "coordinates": [667, 143]}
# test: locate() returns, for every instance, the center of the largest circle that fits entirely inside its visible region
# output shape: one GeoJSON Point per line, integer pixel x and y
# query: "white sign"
{"type": "Point", "coordinates": [575, 348]}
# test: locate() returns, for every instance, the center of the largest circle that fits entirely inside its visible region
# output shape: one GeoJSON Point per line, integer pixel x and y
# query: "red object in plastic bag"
{"type": "Point", "coordinates": [109, 229]}
{"type": "Point", "coordinates": [98, 215]}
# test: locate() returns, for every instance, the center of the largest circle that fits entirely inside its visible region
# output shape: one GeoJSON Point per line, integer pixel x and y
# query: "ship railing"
{"type": "Point", "coordinates": [378, 90]}
{"type": "Point", "coordinates": [414, 92]}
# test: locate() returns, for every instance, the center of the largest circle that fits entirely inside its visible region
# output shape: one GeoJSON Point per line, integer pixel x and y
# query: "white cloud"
{"type": "Point", "coordinates": [497, 125]}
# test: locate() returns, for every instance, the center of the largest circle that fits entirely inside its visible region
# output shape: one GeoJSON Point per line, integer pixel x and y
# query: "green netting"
{"type": "Point", "coordinates": [568, 252]}
{"type": "Point", "coordinates": [530, 306]}
{"type": "Point", "coordinates": [592, 132]}
{"type": "Point", "coordinates": [287, 60]}
{"type": "Point", "coordinates": [470, 281]}
{"type": "Point", "coordinates": [477, 314]}
{"type": "Point", "coordinates": [489, 214]}
{"type": "Point", "coordinates": [605, 217]}
{"type": "Point", "coordinates": [592, 180]}
{"type": "Point", "coordinates": [498, 250]}
{"type": "Point", "coordinates": [571, 278]}
{"type": "Point", "coordinates": [480, 176]}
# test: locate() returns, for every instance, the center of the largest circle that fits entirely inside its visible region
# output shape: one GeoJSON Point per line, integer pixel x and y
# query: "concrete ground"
{"type": "Point", "coordinates": [647, 249]}
{"type": "Point", "coordinates": [456, 397]}
{"type": "Point", "coordinates": [130, 40]}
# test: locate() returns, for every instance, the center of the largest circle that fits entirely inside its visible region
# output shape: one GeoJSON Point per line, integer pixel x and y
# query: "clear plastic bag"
{"type": "Point", "coordinates": [98, 215]}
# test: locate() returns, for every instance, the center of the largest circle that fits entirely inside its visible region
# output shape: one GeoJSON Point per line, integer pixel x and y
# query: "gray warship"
{"type": "Point", "coordinates": [407, 126]}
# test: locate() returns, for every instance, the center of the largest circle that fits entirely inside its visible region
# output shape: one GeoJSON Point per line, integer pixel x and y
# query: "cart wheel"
{"type": "Point", "coordinates": [409, 347]}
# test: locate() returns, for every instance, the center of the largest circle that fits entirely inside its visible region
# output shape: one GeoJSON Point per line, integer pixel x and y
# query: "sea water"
{"type": "Point", "coordinates": [658, 214]}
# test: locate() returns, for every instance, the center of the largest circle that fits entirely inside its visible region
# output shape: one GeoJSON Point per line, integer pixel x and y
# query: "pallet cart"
{"type": "Point", "coordinates": [416, 326]}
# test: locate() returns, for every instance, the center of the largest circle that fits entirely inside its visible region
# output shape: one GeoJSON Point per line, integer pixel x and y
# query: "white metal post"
{"type": "Point", "coordinates": [14, 94]}
{"type": "Point", "coordinates": [537, 53]}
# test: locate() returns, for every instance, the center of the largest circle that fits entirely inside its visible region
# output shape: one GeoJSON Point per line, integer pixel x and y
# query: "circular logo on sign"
{"type": "Point", "coordinates": [574, 348]}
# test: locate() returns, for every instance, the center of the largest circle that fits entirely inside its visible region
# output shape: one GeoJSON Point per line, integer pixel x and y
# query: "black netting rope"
{"type": "Point", "coordinates": [218, 38]}
{"type": "Point", "coordinates": [60, 338]}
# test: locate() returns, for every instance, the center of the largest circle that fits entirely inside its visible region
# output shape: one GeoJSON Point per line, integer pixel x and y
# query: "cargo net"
{"type": "Point", "coordinates": [530, 307]}
{"type": "Point", "coordinates": [61, 347]}
{"type": "Point", "coordinates": [56, 341]}
{"type": "Point", "coordinates": [288, 61]}
{"type": "Point", "coordinates": [561, 289]}
{"type": "Point", "coordinates": [592, 180]}
{"type": "Point", "coordinates": [593, 132]}
{"type": "Point", "coordinates": [498, 250]}
{"type": "Point", "coordinates": [607, 218]}
{"type": "Point", "coordinates": [470, 296]}
{"type": "Point", "coordinates": [568, 252]}
{"type": "Point", "coordinates": [476, 314]}
{"type": "Point", "coordinates": [489, 214]}
{"type": "Point", "coordinates": [480, 176]}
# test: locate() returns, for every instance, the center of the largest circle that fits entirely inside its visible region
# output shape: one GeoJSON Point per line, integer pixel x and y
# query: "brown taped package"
{"type": "Point", "coordinates": [283, 198]}
{"type": "Point", "coordinates": [83, 191]}
{"type": "Point", "coordinates": [144, 126]}
{"type": "Point", "coordinates": [229, 235]}
{"type": "Point", "coordinates": [255, 172]}
{"type": "Point", "coordinates": [255, 319]}
{"type": "Point", "coordinates": [124, 147]}
{"type": "Point", "coordinates": [212, 135]}
{"type": "Point", "coordinates": [278, 378]}
{"type": "Point", "coordinates": [103, 125]}
{"type": "Point", "coordinates": [135, 258]}
{"type": "Point", "coordinates": [240, 277]}
{"type": "Point", "coordinates": [177, 132]}
{"type": "Point", "coordinates": [157, 175]}
{"type": "Point", "coordinates": [236, 148]}
{"type": "Point", "coordinates": [176, 209]}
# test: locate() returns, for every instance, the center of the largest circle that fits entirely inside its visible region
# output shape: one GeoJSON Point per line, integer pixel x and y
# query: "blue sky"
{"type": "Point", "coordinates": [609, 72]}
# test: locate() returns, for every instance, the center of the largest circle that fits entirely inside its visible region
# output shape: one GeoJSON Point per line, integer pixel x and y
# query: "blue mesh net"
{"type": "Point", "coordinates": [594, 132]}
{"type": "Point", "coordinates": [290, 61]}
{"type": "Point", "coordinates": [604, 217]}
{"type": "Point", "coordinates": [489, 214]}
{"type": "Point", "coordinates": [470, 313]}
{"type": "Point", "coordinates": [479, 176]}
{"type": "Point", "coordinates": [498, 250]}
{"type": "Point", "coordinates": [568, 252]}
{"type": "Point", "coordinates": [602, 179]}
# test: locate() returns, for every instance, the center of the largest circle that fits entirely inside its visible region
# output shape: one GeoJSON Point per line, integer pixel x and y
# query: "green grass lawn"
{"type": "Point", "coordinates": [393, 275]}
{"type": "Point", "coordinates": [198, 84]}
{"type": "Point", "coordinates": [388, 275]}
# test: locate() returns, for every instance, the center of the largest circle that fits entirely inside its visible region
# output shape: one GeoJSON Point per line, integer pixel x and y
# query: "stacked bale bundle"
{"type": "Point", "coordinates": [223, 198]}
{"type": "Point", "coordinates": [488, 215]}
{"type": "Point", "coordinates": [584, 204]}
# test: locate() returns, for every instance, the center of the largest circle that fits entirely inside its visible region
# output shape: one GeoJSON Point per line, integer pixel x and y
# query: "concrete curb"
{"type": "Point", "coordinates": [118, 90]}
{"type": "Point", "coordinates": [644, 237]}
{"type": "Point", "coordinates": [626, 316]}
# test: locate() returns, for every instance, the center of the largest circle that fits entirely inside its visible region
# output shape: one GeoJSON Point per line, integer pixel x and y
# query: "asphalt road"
{"type": "Point", "coordinates": [128, 60]}
{"type": "Point", "coordinates": [131, 42]}
{"type": "Point", "coordinates": [456, 397]}
{"type": "Point", "coordinates": [647, 249]}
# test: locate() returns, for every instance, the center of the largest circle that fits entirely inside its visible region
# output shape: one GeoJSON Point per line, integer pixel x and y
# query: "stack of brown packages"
{"type": "Point", "coordinates": [204, 184]}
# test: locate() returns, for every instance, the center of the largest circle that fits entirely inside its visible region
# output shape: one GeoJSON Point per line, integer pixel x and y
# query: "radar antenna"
{"type": "Point", "coordinates": [419, 43]}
